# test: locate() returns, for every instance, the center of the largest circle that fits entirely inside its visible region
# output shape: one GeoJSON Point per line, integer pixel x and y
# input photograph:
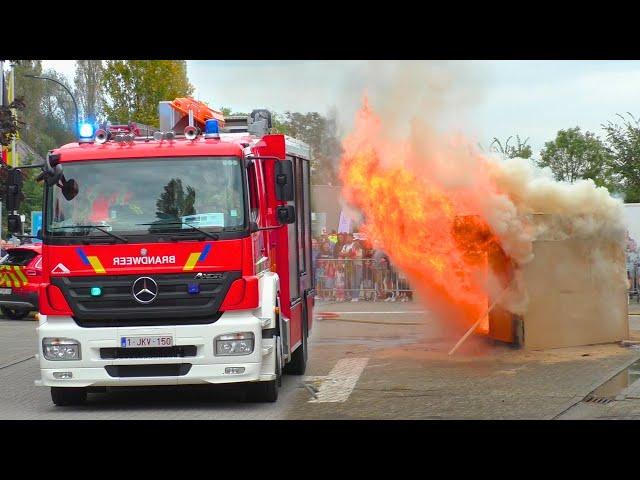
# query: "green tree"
{"type": "Point", "coordinates": [59, 113]}
{"type": "Point", "coordinates": [173, 202]}
{"type": "Point", "coordinates": [33, 191]}
{"type": "Point", "coordinates": [320, 133]}
{"type": "Point", "coordinates": [9, 123]}
{"type": "Point", "coordinates": [623, 145]}
{"type": "Point", "coordinates": [31, 90]}
{"type": "Point", "coordinates": [48, 116]}
{"type": "Point", "coordinates": [519, 150]}
{"type": "Point", "coordinates": [228, 112]}
{"type": "Point", "coordinates": [135, 87]}
{"type": "Point", "coordinates": [573, 155]}
{"type": "Point", "coordinates": [88, 93]}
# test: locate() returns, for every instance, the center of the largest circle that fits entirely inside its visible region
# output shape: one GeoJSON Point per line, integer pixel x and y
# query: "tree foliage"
{"type": "Point", "coordinates": [173, 202]}
{"type": "Point", "coordinates": [33, 191]}
{"type": "Point", "coordinates": [573, 155]}
{"type": "Point", "coordinates": [48, 116]}
{"type": "Point", "coordinates": [320, 133]}
{"type": "Point", "coordinates": [520, 150]}
{"type": "Point", "coordinates": [88, 91]}
{"type": "Point", "coordinates": [9, 123]}
{"type": "Point", "coordinates": [623, 146]}
{"type": "Point", "coordinates": [133, 88]}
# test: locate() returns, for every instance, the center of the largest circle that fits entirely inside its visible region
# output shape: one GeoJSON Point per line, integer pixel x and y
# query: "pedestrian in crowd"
{"type": "Point", "coordinates": [368, 268]}
{"type": "Point", "coordinates": [333, 238]}
{"type": "Point", "coordinates": [314, 252]}
{"type": "Point", "coordinates": [323, 271]}
{"type": "Point", "coordinates": [352, 251]}
{"type": "Point", "coordinates": [337, 248]}
{"type": "Point", "coordinates": [381, 282]}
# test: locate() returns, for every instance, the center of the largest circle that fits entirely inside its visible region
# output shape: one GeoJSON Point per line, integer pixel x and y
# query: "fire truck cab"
{"type": "Point", "coordinates": [182, 257]}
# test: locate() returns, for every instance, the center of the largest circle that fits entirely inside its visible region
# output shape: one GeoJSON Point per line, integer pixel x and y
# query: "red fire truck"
{"type": "Point", "coordinates": [174, 259]}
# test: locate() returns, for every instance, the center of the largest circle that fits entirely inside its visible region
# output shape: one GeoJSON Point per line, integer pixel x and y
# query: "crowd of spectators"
{"type": "Point", "coordinates": [348, 268]}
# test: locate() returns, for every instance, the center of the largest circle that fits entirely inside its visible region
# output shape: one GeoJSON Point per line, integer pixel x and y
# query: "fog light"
{"type": "Point", "coordinates": [234, 370]}
{"type": "Point", "coordinates": [61, 348]}
{"type": "Point", "coordinates": [62, 375]}
{"type": "Point", "coordinates": [234, 344]}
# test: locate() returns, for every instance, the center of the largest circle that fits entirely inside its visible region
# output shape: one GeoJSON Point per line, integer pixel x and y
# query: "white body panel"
{"type": "Point", "coordinates": [206, 366]}
{"type": "Point", "coordinates": [632, 220]}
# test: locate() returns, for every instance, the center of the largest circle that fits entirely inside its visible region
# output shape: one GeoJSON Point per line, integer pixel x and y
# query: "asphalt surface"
{"type": "Point", "coordinates": [330, 342]}
{"type": "Point", "coordinates": [366, 361]}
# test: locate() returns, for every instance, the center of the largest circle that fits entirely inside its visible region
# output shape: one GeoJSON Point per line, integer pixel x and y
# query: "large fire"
{"type": "Point", "coordinates": [424, 205]}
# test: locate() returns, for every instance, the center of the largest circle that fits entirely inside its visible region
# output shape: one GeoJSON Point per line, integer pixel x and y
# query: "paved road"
{"type": "Point", "coordinates": [372, 361]}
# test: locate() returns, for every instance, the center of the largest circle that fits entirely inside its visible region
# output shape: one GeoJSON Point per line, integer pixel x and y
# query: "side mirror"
{"type": "Point", "coordinates": [284, 180]}
{"type": "Point", "coordinates": [14, 223]}
{"type": "Point", "coordinates": [52, 169]}
{"type": "Point", "coordinates": [286, 214]}
{"type": "Point", "coordinates": [54, 176]}
{"type": "Point", "coordinates": [69, 189]}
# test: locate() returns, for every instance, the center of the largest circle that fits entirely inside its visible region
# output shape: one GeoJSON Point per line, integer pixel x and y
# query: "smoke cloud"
{"type": "Point", "coordinates": [433, 200]}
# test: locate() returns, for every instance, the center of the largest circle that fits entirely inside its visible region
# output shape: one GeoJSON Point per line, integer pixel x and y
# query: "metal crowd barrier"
{"type": "Point", "coordinates": [632, 275]}
{"type": "Point", "coordinates": [341, 279]}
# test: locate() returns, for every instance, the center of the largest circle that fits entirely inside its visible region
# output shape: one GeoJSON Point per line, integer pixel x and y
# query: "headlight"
{"type": "Point", "coordinates": [234, 344]}
{"type": "Point", "coordinates": [61, 348]}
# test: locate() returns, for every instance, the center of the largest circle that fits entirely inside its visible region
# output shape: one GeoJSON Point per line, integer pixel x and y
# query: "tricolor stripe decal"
{"type": "Point", "coordinates": [196, 257]}
{"type": "Point", "coordinates": [97, 266]}
{"type": "Point", "coordinates": [91, 261]}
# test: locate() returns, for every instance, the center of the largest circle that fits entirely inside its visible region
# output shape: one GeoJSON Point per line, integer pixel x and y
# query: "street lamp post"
{"type": "Point", "coordinates": [75, 104]}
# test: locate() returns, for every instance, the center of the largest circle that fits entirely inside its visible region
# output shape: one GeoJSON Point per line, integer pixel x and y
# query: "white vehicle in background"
{"type": "Point", "coordinates": [632, 222]}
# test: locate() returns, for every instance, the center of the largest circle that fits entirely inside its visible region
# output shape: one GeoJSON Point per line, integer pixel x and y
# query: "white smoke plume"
{"type": "Point", "coordinates": [421, 106]}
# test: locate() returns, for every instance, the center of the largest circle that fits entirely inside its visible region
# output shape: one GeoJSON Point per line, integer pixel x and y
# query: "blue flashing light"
{"type": "Point", "coordinates": [86, 130]}
{"type": "Point", "coordinates": [211, 128]}
{"type": "Point", "coordinates": [193, 288]}
{"type": "Point", "coordinates": [96, 291]}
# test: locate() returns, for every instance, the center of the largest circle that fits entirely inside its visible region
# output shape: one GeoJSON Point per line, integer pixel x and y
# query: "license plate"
{"type": "Point", "coordinates": [5, 291]}
{"type": "Point", "coordinates": [144, 342]}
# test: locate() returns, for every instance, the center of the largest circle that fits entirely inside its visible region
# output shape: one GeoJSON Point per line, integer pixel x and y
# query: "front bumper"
{"type": "Point", "coordinates": [20, 300]}
{"type": "Point", "coordinates": [205, 366]}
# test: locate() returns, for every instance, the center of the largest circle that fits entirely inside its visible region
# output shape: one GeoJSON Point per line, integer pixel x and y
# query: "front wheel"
{"type": "Point", "coordinates": [68, 396]}
{"type": "Point", "coordinates": [298, 363]}
{"type": "Point", "coordinates": [268, 391]}
{"type": "Point", "coordinates": [14, 313]}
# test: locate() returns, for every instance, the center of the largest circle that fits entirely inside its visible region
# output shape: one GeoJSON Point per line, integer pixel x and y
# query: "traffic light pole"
{"type": "Point", "coordinates": [12, 95]}
{"type": "Point", "coordinates": [2, 147]}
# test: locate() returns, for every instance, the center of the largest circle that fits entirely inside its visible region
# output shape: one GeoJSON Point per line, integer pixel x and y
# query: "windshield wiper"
{"type": "Point", "coordinates": [210, 235]}
{"type": "Point", "coordinates": [99, 228]}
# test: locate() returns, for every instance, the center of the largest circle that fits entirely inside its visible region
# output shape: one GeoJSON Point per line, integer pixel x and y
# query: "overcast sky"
{"type": "Point", "coordinates": [532, 99]}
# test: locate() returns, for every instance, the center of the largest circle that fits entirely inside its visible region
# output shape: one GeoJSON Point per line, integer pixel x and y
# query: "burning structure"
{"type": "Point", "coordinates": [575, 296]}
{"type": "Point", "coordinates": [474, 233]}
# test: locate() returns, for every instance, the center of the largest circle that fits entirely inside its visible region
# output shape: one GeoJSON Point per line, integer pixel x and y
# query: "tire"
{"type": "Point", "coordinates": [267, 392]}
{"type": "Point", "coordinates": [68, 396]}
{"type": "Point", "coordinates": [263, 392]}
{"type": "Point", "coordinates": [14, 313]}
{"type": "Point", "coordinates": [298, 363]}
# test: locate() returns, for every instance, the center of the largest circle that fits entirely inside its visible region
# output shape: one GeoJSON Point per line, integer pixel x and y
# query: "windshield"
{"type": "Point", "coordinates": [136, 196]}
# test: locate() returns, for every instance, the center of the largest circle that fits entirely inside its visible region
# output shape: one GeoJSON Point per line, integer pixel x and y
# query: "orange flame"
{"type": "Point", "coordinates": [432, 227]}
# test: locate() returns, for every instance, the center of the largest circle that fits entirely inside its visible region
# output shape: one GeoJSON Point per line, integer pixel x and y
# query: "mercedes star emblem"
{"type": "Point", "coordinates": [143, 251]}
{"type": "Point", "coordinates": [145, 290]}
